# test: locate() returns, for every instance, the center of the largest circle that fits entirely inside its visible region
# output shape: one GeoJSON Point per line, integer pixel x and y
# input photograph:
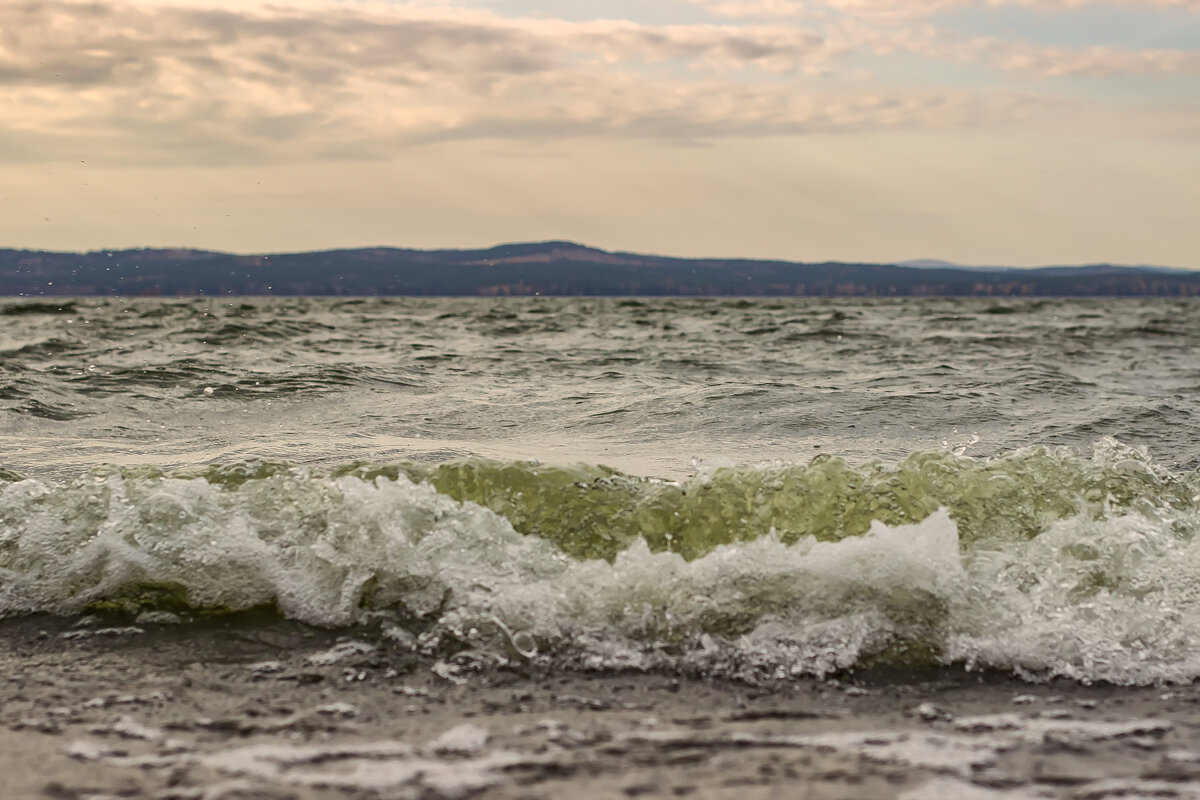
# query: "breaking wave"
{"type": "Point", "coordinates": [1042, 561]}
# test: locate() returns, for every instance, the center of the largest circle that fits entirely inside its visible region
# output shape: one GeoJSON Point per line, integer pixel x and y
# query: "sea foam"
{"type": "Point", "coordinates": [1102, 583]}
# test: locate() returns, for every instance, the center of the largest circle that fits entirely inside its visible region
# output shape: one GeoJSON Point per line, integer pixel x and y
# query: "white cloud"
{"type": "Point", "coordinates": [915, 8]}
{"type": "Point", "coordinates": [196, 82]}
{"type": "Point", "coordinates": [892, 26]}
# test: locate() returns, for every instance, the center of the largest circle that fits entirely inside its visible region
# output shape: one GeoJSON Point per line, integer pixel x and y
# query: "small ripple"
{"type": "Point", "coordinates": [59, 413]}
{"type": "Point", "coordinates": [22, 309]}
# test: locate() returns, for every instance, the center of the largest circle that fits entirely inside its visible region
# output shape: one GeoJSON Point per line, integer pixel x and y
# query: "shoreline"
{"type": "Point", "coordinates": [245, 707]}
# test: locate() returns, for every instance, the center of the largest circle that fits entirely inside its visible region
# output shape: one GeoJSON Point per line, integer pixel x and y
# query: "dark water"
{"type": "Point", "coordinates": [745, 488]}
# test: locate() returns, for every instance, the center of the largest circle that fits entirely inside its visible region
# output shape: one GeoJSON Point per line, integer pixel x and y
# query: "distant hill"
{"type": "Point", "coordinates": [546, 268]}
{"type": "Point", "coordinates": [929, 263]}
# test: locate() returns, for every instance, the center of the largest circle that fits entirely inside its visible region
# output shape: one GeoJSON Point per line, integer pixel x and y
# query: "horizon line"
{"type": "Point", "coordinates": [911, 263]}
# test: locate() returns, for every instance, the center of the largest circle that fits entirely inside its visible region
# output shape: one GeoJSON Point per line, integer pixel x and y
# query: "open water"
{"type": "Point", "coordinates": [754, 489]}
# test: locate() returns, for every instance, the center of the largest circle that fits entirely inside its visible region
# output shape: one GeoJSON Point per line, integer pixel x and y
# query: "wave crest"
{"type": "Point", "coordinates": [1039, 561]}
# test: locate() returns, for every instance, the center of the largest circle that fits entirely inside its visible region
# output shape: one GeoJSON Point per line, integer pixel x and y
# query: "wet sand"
{"type": "Point", "coordinates": [248, 708]}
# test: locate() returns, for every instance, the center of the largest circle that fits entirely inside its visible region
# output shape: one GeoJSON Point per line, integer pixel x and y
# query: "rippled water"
{"type": "Point", "coordinates": [646, 385]}
{"type": "Point", "coordinates": [752, 488]}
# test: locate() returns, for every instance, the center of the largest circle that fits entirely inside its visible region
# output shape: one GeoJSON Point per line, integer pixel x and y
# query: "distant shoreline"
{"type": "Point", "coordinates": [548, 269]}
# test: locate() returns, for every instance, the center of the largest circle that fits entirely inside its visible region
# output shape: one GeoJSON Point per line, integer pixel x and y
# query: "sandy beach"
{"type": "Point", "coordinates": [259, 708]}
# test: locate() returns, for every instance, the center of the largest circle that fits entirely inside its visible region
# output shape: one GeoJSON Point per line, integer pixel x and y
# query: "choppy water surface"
{"type": "Point", "coordinates": [759, 489]}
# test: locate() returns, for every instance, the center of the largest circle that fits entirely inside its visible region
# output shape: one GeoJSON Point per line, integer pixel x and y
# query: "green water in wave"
{"type": "Point", "coordinates": [595, 512]}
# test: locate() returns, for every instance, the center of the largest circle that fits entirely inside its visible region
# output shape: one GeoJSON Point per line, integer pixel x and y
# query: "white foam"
{"type": "Point", "coordinates": [340, 652]}
{"type": "Point", "coordinates": [1038, 730]}
{"type": "Point", "coordinates": [946, 788]}
{"type": "Point", "coordinates": [1114, 598]}
{"type": "Point", "coordinates": [951, 753]}
{"type": "Point", "coordinates": [376, 767]}
{"type": "Point", "coordinates": [461, 740]}
{"type": "Point", "coordinates": [1135, 789]}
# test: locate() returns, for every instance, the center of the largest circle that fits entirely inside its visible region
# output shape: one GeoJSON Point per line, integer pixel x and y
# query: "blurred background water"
{"type": "Point", "coordinates": [646, 385]}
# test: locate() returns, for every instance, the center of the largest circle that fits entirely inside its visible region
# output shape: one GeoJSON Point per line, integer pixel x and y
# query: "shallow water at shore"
{"type": "Point", "coordinates": [248, 707]}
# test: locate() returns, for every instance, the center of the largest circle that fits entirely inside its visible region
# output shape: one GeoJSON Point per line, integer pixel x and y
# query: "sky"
{"type": "Point", "coordinates": [1014, 132]}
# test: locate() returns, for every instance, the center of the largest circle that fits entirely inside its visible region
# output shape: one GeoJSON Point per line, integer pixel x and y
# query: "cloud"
{"type": "Point", "coordinates": [195, 82]}
{"type": "Point", "coordinates": [1067, 61]}
{"type": "Point", "coordinates": [102, 42]}
{"type": "Point", "coordinates": [816, 9]}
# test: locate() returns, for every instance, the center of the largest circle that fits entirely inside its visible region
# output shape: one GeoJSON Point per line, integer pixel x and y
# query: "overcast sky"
{"type": "Point", "coordinates": [980, 131]}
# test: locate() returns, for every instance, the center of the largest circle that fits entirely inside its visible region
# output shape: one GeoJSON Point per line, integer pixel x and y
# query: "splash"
{"type": "Point", "coordinates": [1039, 562]}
